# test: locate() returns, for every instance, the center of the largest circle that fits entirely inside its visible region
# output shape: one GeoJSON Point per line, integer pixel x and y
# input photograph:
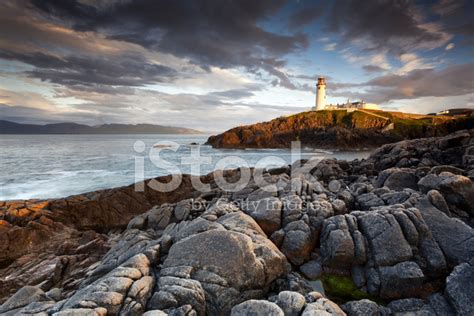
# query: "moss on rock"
{"type": "Point", "coordinates": [342, 289]}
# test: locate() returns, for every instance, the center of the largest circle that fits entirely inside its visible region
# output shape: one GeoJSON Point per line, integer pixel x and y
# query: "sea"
{"type": "Point", "coordinates": [53, 166]}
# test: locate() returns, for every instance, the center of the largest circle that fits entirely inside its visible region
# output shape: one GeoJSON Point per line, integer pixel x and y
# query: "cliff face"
{"type": "Point", "coordinates": [340, 129]}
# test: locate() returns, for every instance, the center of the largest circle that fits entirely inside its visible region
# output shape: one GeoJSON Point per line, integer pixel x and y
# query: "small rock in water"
{"type": "Point", "coordinates": [334, 186]}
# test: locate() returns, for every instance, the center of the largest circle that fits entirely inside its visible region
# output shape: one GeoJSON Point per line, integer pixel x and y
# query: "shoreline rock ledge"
{"type": "Point", "coordinates": [388, 235]}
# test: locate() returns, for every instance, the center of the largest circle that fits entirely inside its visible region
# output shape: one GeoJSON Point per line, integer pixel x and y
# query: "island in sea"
{"type": "Point", "coordinates": [8, 127]}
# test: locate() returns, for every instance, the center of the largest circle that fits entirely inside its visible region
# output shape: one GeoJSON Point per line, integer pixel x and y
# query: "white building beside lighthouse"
{"type": "Point", "coordinates": [321, 100]}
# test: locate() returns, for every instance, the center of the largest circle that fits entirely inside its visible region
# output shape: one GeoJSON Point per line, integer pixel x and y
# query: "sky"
{"type": "Point", "coordinates": [212, 65]}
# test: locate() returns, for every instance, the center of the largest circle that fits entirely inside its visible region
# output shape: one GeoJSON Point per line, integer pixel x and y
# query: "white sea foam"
{"type": "Point", "coordinates": [51, 166]}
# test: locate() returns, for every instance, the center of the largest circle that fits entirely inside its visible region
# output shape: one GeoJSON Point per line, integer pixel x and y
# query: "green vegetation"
{"type": "Point", "coordinates": [343, 289]}
{"type": "Point", "coordinates": [411, 125]}
{"type": "Point", "coordinates": [341, 129]}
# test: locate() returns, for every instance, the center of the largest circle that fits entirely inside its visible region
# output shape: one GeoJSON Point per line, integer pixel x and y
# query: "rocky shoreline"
{"type": "Point", "coordinates": [340, 129]}
{"type": "Point", "coordinates": [387, 235]}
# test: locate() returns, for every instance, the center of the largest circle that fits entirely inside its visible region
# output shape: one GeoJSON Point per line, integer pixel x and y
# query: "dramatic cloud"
{"type": "Point", "coordinates": [120, 70]}
{"type": "Point", "coordinates": [211, 33]}
{"type": "Point", "coordinates": [457, 16]}
{"type": "Point", "coordinates": [396, 26]}
{"type": "Point", "coordinates": [305, 16]}
{"type": "Point", "coordinates": [215, 64]}
{"type": "Point", "coordinates": [454, 80]}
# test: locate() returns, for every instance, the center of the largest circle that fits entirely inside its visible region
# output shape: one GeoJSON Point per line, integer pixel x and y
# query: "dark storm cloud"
{"type": "Point", "coordinates": [391, 25]}
{"type": "Point", "coordinates": [457, 15]}
{"type": "Point", "coordinates": [454, 80]}
{"type": "Point", "coordinates": [122, 70]}
{"type": "Point", "coordinates": [210, 33]}
{"type": "Point", "coordinates": [283, 79]}
{"type": "Point", "coordinates": [305, 16]}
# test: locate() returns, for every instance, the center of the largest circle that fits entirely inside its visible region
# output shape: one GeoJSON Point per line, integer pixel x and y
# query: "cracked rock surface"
{"type": "Point", "coordinates": [388, 235]}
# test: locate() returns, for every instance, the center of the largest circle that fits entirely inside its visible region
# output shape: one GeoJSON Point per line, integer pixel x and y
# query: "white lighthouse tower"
{"type": "Point", "coordinates": [321, 94]}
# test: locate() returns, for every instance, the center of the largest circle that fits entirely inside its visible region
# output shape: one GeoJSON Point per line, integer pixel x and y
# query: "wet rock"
{"type": "Point", "coordinates": [36, 308]}
{"type": "Point", "coordinates": [184, 209]}
{"type": "Point", "coordinates": [312, 269]}
{"type": "Point", "coordinates": [138, 295]}
{"type": "Point", "coordinates": [54, 294]}
{"type": "Point", "coordinates": [364, 307]}
{"type": "Point", "coordinates": [317, 211]}
{"type": "Point", "coordinates": [290, 302]}
{"type": "Point", "coordinates": [267, 214]}
{"type": "Point", "coordinates": [99, 311]}
{"type": "Point", "coordinates": [313, 296]}
{"type": "Point", "coordinates": [292, 209]}
{"type": "Point", "coordinates": [155, 313]}
{"type": "Point", "coordinates": [440, 305]}
{"type": "Point", "coordinates": [175, 291]}
{"type": "Point", "coordinates": [337, 246]}
{"type": "Point", "coordinates": [23, 297]}
{"type": "Point", "coordinates": [391, 198]}
{"type": "Point", "coordinates": [397, 243]}
{"type": "Point", "coordinates": [298, 242]}
{"type": "Point", "coordinates": [457, 190]}
{"type": "Point", "coordinates": [409, 306]}
{"type": "Point", "coordinates": [358, 188]}
{"type": "Point", "coordinates": [334, 186]}
{"type": "Point", "coordinates": [453, 140]}
{"type": "Point", "coordinates": [402, 279]}
{"type": "Point", "coordinates": [159, 217]}
{"type": "Point", "coordinates": [112, 290]}
{"type": "Point", "coordinates": [347, 197]}
{"type": "Point", "coordinates": [278, 237]}
{"type": "Point", "coordinates": [385, 250]}
{"type": "Point", "coordinates": [339, 206]}
{"type": "Point", "coordinates": [401, 179]}
{"type": "Point", "coordinates": [328, 169]}
{"type": "Point", "coordinates": [227, 264]}
{"type": "Point", "coordinates": [460, 289]}
{"type": "Point", "coordinates": [438, 201]}
{"type": "Point", "coordinates": [385, 238]}
{"type": "Point", "coordinates": [257, 307]}
{"type": "Point", "coordinates": [438, 169]}
{"type": "Point", "coordinates": [292, 281]}
{"type": "Point", "coordinates": [454, 237]}
{"type": "Point", "coordinates": [429, 182]}
{"type": "Point", "coordinates": [369, 200]}
{"type": "Point", "coordinates": [129, 244]}
{"type": "Point", "coordinates": [322, 307]}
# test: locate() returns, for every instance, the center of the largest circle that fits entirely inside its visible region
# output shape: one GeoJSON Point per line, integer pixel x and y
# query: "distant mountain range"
{"type": "Point", "coordinates": [7, 127]}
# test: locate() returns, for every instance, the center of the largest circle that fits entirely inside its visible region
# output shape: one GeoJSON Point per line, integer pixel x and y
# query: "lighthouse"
{"type": "Point", "coordinates": [321, 101]}
{"type": "Point", "coordinates": [321, 94]}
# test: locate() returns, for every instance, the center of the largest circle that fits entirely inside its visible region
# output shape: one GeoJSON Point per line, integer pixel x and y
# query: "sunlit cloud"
{"type": "Point", "coordinates": [76, 61]}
